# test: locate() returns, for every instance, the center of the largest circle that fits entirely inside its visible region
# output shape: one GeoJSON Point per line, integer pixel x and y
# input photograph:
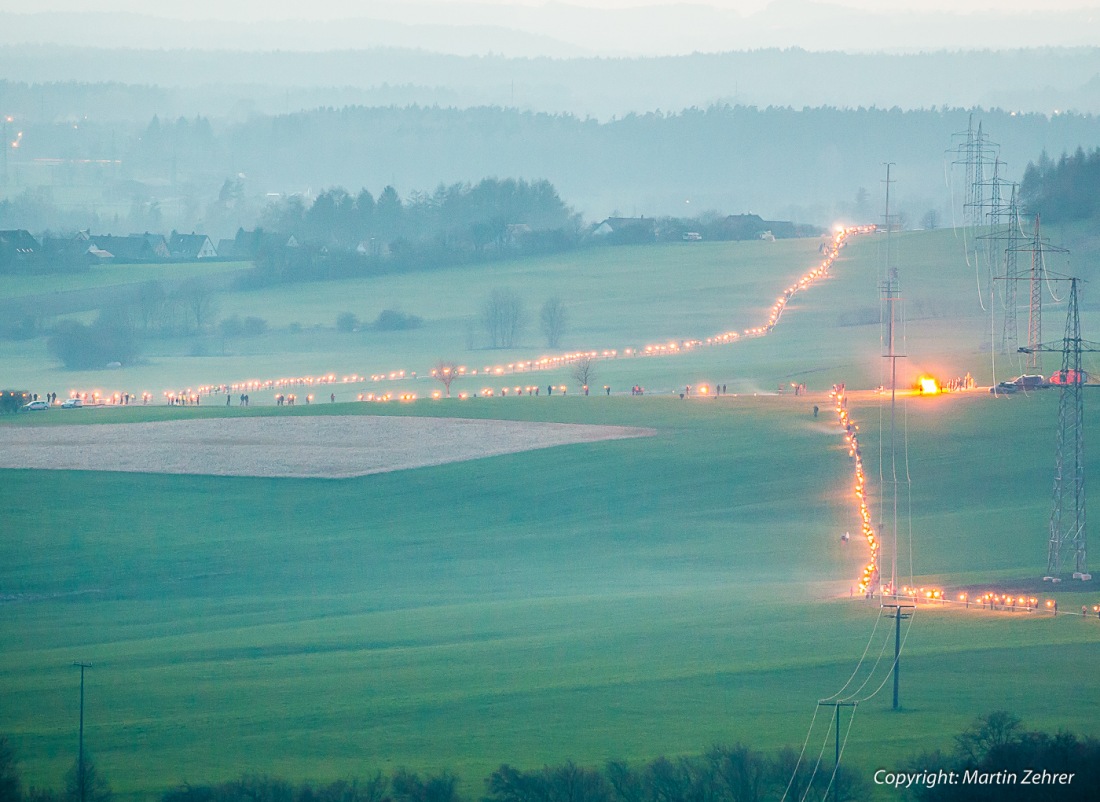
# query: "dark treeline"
{"type": "Point", "coordinates": [996, 744]}
{"type": "Point", "coordinates": [723, 774]}
{"type": "Point", "coordinates": [479, 216]}
{"type": "Point", "coordinates": [340, 234]}
{"type": "Point", "coordinates": [807, 165]}
{"type": "Point", "coordinates": [1064, 190]}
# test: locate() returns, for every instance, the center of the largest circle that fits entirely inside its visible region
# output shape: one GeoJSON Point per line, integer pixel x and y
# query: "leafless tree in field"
{"type": "Point", "coordinates": [445, 372]}
{"type": "Point", "coordinates": [503, 318]}
{"type": "Point", "coordinates": [583, 370]}
{"type": "Point", "coordinates": [552, 321]}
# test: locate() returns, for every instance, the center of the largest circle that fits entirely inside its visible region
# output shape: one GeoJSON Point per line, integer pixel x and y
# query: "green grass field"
{"type": "Point", "coordinates": [622, 599]}
{"type": "Point", "coordinates": [617, 298]}
{"type": "Point", "coordinates": [18, 286]}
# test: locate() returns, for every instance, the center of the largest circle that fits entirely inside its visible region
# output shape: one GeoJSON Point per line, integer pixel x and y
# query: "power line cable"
{"type": "Point", "coordinates": [798, 762]}
{"type": "Point", "coordinates": [817, 765]}
{"type": "Point", "coordinates": [901, 649]}
{"type": "Point", "coordinates": [843, 746]}
{"type": "Point", "coordinates": [852, 696]}
{"type": "Point", "coordinates": [866, 649]}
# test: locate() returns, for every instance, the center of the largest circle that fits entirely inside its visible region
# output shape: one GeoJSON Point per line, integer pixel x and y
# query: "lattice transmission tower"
{"type": "Point", "coordinates": [1005, 236]}
{"type": "Point", "coordinates": [1012, 236]}
{"type": "Point", "coordinates": [1068, 534]}
{"type": "Point", "coordinates": [1038, 278]}
{"type": "Point", "coordinates": [974, 153]}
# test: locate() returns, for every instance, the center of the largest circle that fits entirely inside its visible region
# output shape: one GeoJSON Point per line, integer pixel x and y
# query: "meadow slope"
{"type": "Point", "coordinates": [619, 599]}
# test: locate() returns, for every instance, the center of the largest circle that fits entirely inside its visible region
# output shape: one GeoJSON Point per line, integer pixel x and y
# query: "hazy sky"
{"type": "Point", "coordinates": [329, 9]}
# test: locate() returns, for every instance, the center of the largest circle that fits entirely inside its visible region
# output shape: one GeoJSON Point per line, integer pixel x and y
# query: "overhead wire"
{"type": "Point", "coordinates": [908, 483]}
{"type": "Point", "coordinates": [797, 763]}
{"type": "Point", "coordinates": [1046, 274]}
{"type": "Point", "coordinates": [993, 344]}
{"type": "Point", "coordinates": [862, 657]}
{"type": "Point", "coordinates": [949, 182]}
{"type": "Point", "coordinates": [817, 765]}
{"type": "Point", "coordinates": [901, 650]}
{"type": "Point", "coordinates": [871, 673]}
{"type": "Point", "coordinates": [905, 454]}
{"type": "Point", "coordinates": [978, 282]}
{"type": "Point", "coordinates": [843, 746]}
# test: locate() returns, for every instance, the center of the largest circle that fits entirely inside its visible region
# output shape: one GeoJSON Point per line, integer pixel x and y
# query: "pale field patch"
{"type": "Point", "coordinates": [331, 447]}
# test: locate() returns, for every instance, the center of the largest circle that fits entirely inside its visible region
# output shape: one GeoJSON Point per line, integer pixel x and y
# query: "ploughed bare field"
{"type": "Point", "coordinates": [310, 447]}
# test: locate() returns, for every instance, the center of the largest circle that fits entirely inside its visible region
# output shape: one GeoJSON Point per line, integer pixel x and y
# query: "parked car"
{"type": "Point", "coordinates": [35, 405]}
{"type": "Point", "coordinates": [72, 403]}
{"type": "Point", "coordinates": [1026, 382]}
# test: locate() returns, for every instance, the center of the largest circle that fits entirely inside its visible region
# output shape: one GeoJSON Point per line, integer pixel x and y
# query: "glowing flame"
{"type": "Point", "coordinates": [929, 386]}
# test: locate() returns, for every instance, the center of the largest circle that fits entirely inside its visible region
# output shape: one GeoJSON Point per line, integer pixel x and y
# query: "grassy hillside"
{"type": "Point", "coordinates": [616, 298]}
{"type": "Point", "coordinates": [621, 599]}
{"type": "Point", "coordinates": [15, 287]}
{"type": "Point", "coordinates": [618, 599]}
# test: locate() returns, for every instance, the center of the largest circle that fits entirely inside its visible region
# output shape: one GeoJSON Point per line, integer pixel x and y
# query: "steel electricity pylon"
{"type": "Point", "coordinates": [1011, 234]}
{"type": "Point", "coordinates": [1038, 277]}
{"type": "Point", "coordinates": [974, 153]}
{"type": "Point", "coordinates": [1004, 236]}
{"type": "Point", "coordinates": [1067, 513]}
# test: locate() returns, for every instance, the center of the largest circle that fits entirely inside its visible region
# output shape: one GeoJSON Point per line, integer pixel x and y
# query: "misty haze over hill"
{"type": "Point", "coordinates": [383, 93]}
{"type": "Point", "coordinates": [135, 84]}
{"type": "Point", "coordinates": [562, 29]}
{"type": "Point", "coordinates": [803, 165]}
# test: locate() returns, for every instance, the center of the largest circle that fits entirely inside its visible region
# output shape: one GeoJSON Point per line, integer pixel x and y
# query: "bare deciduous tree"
{"type": "Point", "coordinates": [503, 317]}
{"type": "Point", "coordinates": [583, 370]}
{"type": "Point", "coordinates": [445, 372]}
{"type": "Point", "coordinates": [930, 220]}
{"type": "Point", "coordinates": [199, 300]}
{"type": "Point", "coordinates": [552, 321]}
{"type": "Point", "coordinates": [152, 303]}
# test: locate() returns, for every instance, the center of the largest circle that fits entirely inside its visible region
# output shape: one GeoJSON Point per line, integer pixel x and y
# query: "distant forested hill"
{"type": "Point", "coordinates": [803, 164]}
{"type": "Point", "coordinates": [809, 165]}
{"type": "Point", "coordinates": [218, 83]}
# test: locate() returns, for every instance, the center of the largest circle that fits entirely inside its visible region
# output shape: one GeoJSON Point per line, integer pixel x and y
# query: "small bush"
{"type": "Point", "coordinates": [254, 326]}
{"type": "Point", "coordinates": [390, 320]}
{"type": "Point", "coordinates": [12, 400]}
{"type": "Point", "coordinates": [231, 327]}
{"type": "Point", "coordinates": [81, 347]}
{"type": "Point", "coordinates": [249, 327]}
{"type": "Point", "coordinates": [347, 322]}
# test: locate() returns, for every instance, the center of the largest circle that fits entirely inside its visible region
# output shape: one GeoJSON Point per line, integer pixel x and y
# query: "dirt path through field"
{"type": "Point", "coordinates": [317, 447]}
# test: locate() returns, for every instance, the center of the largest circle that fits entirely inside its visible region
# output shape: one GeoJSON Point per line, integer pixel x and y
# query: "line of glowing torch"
{"type": "Point", "coordinates": [869, 577]}
{"type": "Point", "coordinates": [551, 362]}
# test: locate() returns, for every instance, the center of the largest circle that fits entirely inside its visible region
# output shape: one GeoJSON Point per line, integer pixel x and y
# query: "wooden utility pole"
{"type": "Point", "coordinates": [836, 739]}
{"type": "Point", "coordinates": [898, 615]}
{"type": "Point", "coordinates": [80, 752]}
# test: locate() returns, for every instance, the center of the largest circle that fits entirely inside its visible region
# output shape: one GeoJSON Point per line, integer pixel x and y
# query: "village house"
{"type": "Point", "coordinates": [17, 247]}
{"type": "Point", "coordinates": [191, 246]}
